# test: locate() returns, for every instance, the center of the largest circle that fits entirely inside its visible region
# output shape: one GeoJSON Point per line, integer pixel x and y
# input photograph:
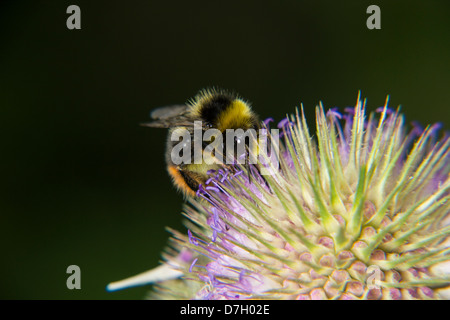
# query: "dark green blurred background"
{"type": "Point", "coordinates": [83, 183]}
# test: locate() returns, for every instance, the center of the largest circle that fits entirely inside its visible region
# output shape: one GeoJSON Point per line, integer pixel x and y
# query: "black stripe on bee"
{"type": "Point", "coordinates": [215, 106]}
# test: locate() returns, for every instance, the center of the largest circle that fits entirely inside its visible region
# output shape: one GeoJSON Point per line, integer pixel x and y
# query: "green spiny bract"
{"type": "Point", "coordinates": [360, 211]}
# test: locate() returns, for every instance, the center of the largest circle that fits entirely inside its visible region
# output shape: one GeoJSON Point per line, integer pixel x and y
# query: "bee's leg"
{"type": "Point", "coordinates": [247, 166]}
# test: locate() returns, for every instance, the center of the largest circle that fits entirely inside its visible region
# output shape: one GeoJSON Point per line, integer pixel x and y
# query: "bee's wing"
{"type": "Point", "coordinates": [169, 116]}
{"type": "Point", "coordinates": [168, 112]}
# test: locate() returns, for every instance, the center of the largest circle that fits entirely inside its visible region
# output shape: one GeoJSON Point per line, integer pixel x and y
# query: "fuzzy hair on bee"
{"type": "Point", "coordinates": [216, 109]}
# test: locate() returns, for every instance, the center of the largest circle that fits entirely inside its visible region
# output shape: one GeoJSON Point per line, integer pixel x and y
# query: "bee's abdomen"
{"type": "Point", "coordinates": [185, 180]}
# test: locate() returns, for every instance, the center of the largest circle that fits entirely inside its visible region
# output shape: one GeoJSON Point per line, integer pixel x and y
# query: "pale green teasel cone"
{"type": "Point", "coordinates": [359, 211]}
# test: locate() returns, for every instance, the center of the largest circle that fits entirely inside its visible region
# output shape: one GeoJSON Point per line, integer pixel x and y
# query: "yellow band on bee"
{"type": "Point", "coordinates": [237, 115]}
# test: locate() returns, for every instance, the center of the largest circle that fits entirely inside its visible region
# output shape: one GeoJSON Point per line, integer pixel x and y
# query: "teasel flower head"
{"type": "Point", "coordinates": [358, 211]}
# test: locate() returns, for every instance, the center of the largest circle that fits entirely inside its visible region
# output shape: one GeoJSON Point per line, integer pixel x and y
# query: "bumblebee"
{"type": "Point", "coordinates": [217, 109]}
